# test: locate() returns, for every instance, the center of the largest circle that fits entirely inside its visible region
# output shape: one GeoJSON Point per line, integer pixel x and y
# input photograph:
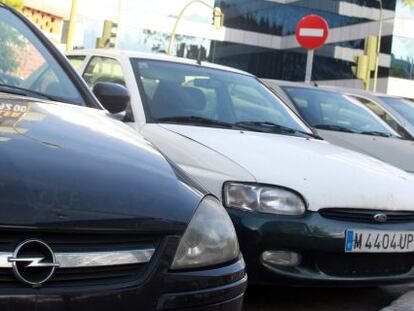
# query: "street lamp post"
{"type": "Point", "coordinates": [118, 19]}
{"type": "Point", "coordinates": [218, 19]}
{"type": "Point", "coordinates": [379, 47]}
{"type": "Point", "coordinates": [71, 28]}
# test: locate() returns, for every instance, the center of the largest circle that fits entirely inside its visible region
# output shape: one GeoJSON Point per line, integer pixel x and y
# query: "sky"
{"type": "Point", "coordinates": [135, 16]}
{"type": "Point", "coordinates": [134, 9]}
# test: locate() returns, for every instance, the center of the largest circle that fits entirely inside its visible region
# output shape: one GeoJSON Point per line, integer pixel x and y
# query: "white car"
{"type": "Point", "coordinates": [305, 211]}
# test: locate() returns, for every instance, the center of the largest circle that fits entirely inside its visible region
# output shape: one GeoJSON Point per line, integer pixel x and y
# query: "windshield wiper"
{"type": "Point", "coordinates": [245, 125]}
{"type": "Point", "coordinates": [24, 92]}
{"type": "Point", "coordinates": [273, 127]}
{"type": "Point", "coordinates": [196, 120]}
{"type": "Point", "coordinates": [376, 133]}
{"type": "Point", "coordinates": [331, 127]}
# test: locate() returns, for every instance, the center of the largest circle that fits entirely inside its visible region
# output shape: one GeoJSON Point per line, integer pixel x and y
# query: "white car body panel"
{"type": "Point", "coordinates": [210, 168]}
{"type": "Point", "coordinates": [327, 176]}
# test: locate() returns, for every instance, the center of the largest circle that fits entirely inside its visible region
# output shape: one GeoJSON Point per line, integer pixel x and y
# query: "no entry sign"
{"type": "Point", "coordinates": [312, 32]}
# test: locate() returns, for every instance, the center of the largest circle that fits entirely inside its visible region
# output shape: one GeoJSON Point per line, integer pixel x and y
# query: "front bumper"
{"type": "Point", "coordinates": [321, 242]}
{"type": "Point", "coordinates": [158, 288]}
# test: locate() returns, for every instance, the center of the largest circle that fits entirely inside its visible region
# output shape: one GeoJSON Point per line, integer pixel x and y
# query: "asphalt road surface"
{"type": "Point", "coordinates": [262, 298]}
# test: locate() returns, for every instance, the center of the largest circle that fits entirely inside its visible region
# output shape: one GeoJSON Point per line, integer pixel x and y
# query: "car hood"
{"type": "Point", "coordinates": [326, 175]}
{"type": "Point", "coordinates": [69, 167]}
{"type": "Point", "coordinates": [397, 152]}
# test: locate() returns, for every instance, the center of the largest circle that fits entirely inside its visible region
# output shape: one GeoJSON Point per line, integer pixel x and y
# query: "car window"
{"type": "Point", "coordinates": [248, 103]}
{"type": "Point", "coordinates": [383, 114]}
{"type": "Point", "coordinates": [103, 69]}
{"type": "Point", "coordinates": [76, 61]}
{"type": "Point", "coordinates": [150, 86]}
{"type": "Point", "coordinates": [181, 90]}
{"type": "Point", "coordinates": [26, 64]}
{"type": "Point", "coordinates": [402, 106]}
{"type": "Point", "coordinates": [210, 96]}
{"type": "Point", "coordinates": [322, 108]}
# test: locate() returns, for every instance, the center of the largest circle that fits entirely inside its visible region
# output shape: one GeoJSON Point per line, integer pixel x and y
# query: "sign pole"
{"type": "Point", "coordinates": [309, 66]}
{"type": "Point", "coordinates": [311, 33]}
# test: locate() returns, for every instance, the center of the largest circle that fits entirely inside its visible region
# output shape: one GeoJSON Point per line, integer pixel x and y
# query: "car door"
{"type": "Point", "coordinates": [103, 69]}
{"type": "Point", "coordinates": [107, 69]}
{"type": "Point", "coordinates": [77, 61]}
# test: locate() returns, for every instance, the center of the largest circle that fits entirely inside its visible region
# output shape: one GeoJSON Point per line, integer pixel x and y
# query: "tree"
{"type": "Point", "coordinates": [409, 3]}
{"type": "Point", "coordinates": [10, 42]}
{"type": "Point", "coordinates": [17, 4]}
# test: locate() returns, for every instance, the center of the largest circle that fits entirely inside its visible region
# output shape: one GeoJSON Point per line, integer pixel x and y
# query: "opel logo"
{"type": "Point", "coordinates": [380, 218]}
{"type": "Point", "coordinates": [33, 262]}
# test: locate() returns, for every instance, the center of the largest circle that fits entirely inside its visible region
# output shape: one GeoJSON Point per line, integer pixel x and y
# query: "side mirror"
{"type": "Point", "coordinates": [113, 97]}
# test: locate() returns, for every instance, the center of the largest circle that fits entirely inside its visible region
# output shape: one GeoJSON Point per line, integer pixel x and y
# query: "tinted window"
{"type": "Point", "coordinates": [290, 64]}
{"type": "Point", "coordinates": [103, 69]}
{"type": "Point", "coordinates": [404, 107]}
{"type": "Point", "coordinates": [324, 108]}
{"type": "Point", "coordinates": [281, 18]}
{"type": "Point", "coordinates": [175, 90]}
{"type": "Point", "coordinates": [25, 63]}
{"type": "Point", "coordinates": [402, 65]}
{"type": "Point", "coordinates": [383, 114]}
{"type": "Point", "coordinates": [250, 104]}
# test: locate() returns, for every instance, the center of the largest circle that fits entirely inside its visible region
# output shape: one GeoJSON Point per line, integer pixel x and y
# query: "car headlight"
{"type": "Point", "coordinates": [263, 199]}
{"type": "Point", "coordinates": [209, 239]}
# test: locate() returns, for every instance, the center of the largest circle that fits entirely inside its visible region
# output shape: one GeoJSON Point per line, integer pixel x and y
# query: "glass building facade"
{"type": "Point", "coordinates": [260, 38]}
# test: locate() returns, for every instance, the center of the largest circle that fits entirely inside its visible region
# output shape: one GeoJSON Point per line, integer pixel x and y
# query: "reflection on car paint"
{"type": "Point", "coordinates": [12, 113]}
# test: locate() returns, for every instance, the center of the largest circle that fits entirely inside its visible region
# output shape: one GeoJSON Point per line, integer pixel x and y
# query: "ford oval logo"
{"type": "Point", "coordinates": [380, 218]}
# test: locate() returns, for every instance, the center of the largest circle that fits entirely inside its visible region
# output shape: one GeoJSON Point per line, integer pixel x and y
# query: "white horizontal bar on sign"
{"type": "Point", "coordinates": [311, 32]}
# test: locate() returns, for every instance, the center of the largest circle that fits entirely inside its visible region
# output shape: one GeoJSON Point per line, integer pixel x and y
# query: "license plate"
{"type": "Point", "coordinates": [368, 241]}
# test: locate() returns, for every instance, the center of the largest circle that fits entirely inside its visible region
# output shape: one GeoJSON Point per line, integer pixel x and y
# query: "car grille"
{"type": "Point", "coordinates": [364, 265]}
{"type": "Point", "coordinates": [82, 276]}
{"type": "Point", "coordinates": [361, 215]}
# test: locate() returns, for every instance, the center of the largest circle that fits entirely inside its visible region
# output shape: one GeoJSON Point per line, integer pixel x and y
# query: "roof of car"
{"type": "Point", "coordinates": [355, 91]}
{"type": "Point", "coordinates": [281, 83]}
{"type": "Point", "coordinates": [332, 88]}
{"type": "Point", "coordinates": [288, 83]}
{"type": "Point", "coordinates": [153, 56]}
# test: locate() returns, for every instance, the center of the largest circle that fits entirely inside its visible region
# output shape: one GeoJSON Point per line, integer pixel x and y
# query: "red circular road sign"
{"type": "Point", "coordinates": [312, 32]}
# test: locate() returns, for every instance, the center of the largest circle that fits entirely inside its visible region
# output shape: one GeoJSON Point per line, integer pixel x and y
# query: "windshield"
{"type": "Point", "coordinates": [402, 106]}
{"type": "Point", "coordinates": [26, 66]}
{"type": "Point", "coordinates": [187, 93]}
{"type": "Point", "coordinates": [334, 111]}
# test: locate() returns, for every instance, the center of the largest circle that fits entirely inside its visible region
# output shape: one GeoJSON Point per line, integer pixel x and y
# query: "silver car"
{"type": "Point", "coordinates": [343, 120]}
{"type": "Point", "coordinates": [401, 110]}
{"type": "Point", "coordinates": [397, 112]}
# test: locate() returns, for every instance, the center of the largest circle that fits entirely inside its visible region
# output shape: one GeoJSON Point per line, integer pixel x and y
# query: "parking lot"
{"type": "Point", "coordinates": [159, 158]}
{"type": "Point", "coordinates": [261, 298]}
